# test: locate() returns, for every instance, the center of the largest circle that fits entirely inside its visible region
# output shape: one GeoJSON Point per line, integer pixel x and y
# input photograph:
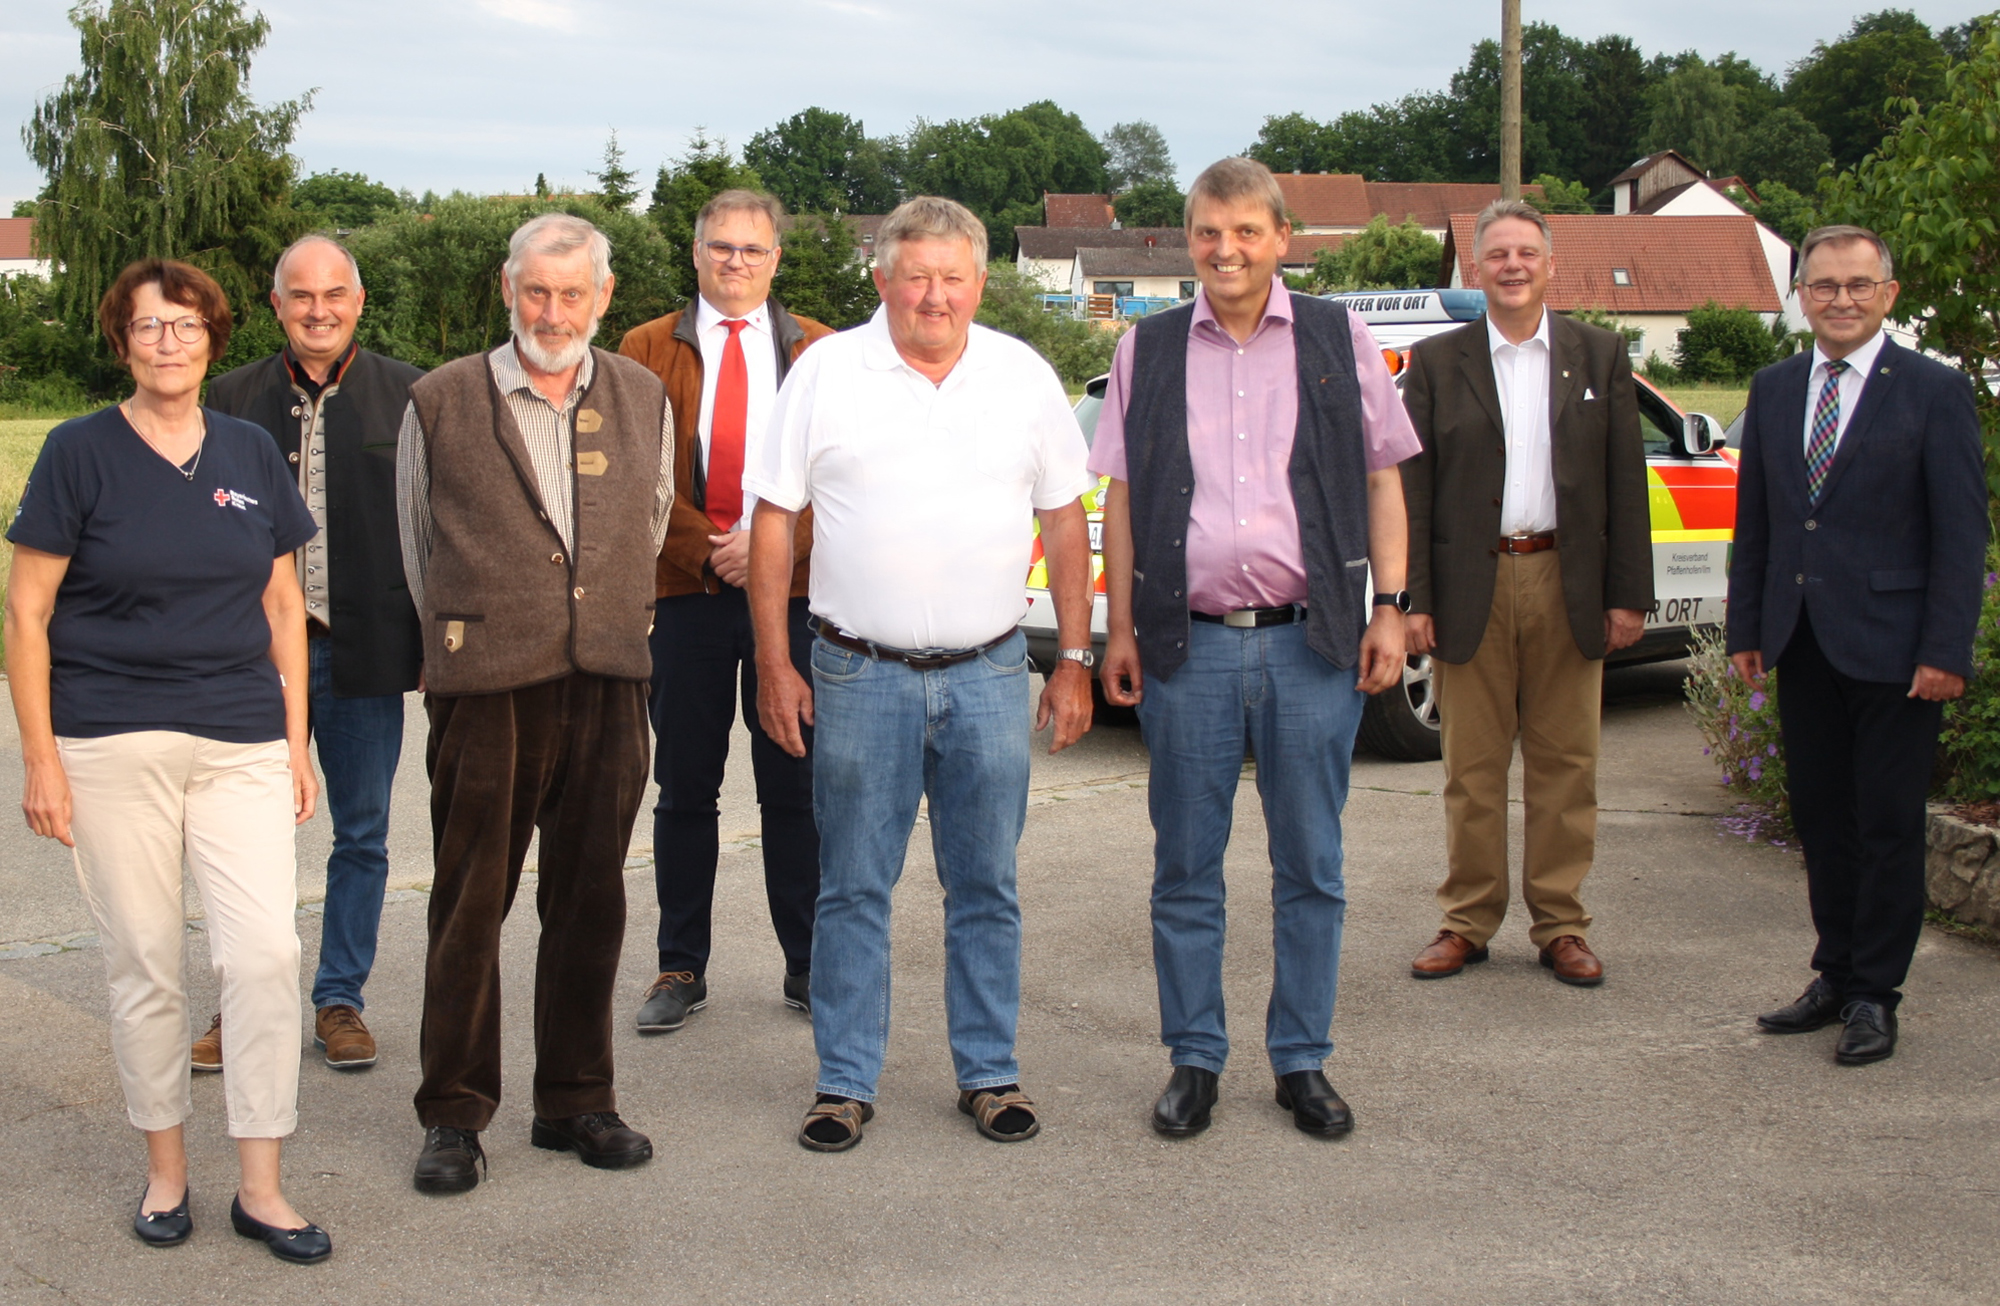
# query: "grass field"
{"type": "Point", "coordinates": [1722, 403]}
{"type": "Point", "coordinates": [20, 441]}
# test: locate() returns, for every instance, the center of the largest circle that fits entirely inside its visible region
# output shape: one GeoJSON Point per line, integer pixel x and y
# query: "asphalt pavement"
{"type": "Point", "coordinates": [1516, 1140]}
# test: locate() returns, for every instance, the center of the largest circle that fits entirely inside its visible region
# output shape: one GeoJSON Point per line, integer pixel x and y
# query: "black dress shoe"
{"type": "Point", "coordinates": [798, 992]}
{"type": "Point", "coordinates": [299, 1246]}
{"type": "Point", "coordinates": [1818, 1006]}
{"type": "Point", "coordinates": [1315, 1107]}
{"type": "Point", "coordinates": [163, 1228]}
{"type": "Point", "coordinates": [450, 1160]}
{"type": "Point", "coordinates": [1870, 1034]}
{"type": "Point", "coordinates": [1183, 1109]}
{"type": "Point", "coordinates": [599, 1138]}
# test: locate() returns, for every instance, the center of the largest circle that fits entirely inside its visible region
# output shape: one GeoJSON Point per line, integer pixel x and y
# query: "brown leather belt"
{"type": "Point", "coordinates": [917, 659]}
{"type": "Point", "coordinates": [1532, 542]}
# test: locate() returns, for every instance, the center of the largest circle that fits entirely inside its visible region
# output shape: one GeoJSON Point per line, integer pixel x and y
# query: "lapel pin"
{"type": "Point", "coordinates": [1885, 371]}
{"type": "Point", "coordinates": [1565, 376]}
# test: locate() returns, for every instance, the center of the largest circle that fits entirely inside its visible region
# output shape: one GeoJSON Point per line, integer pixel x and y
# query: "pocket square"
{"type": "Point", "coordinates": [1588, 394]}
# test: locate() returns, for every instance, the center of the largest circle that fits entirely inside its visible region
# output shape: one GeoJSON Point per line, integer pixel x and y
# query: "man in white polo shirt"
{"type": "Point", "coordinates": [926, 446]}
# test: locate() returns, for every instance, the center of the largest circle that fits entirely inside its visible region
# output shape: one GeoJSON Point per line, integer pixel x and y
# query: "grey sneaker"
{"type": "Point", "coordinates": [798, 992]}
{"type": "Point", "coordinates": [675, 995]}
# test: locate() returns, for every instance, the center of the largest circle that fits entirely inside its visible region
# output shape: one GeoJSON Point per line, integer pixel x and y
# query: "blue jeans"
{"type": "Point", "coordinates": [884, 736]}
{"type": "Point", "coordinates": [1297, 714]}
{"type": "Point", "coordinates": [360, 741]}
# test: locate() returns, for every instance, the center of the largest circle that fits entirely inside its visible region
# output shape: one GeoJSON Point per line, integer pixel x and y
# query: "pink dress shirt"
{"type": "Point", "coordinates": [1243, 410]}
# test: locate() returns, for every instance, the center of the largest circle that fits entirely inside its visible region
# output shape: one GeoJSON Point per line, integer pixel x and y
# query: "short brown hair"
{"type": "Point", "coordinates": [179, 283]}
{"type": "Point", "coordinates": [1841, 235]}
{"type": "Point", "coordinates": [1238, 178]}
{"type": "Point", "coordinates": [741, 201]}
{"type": "Point", "coordinates": [1501, 210]}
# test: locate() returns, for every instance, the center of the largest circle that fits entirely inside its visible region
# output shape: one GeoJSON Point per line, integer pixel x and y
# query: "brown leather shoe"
{"type": "Point", "coordinates": [1573, 961]}
{"type": "Point", "coordinates": [206, 1054]}
{"type": "Point", "coordinates": [1447, 954]}
{"type": "Point", "coordinates": [348, 1044]}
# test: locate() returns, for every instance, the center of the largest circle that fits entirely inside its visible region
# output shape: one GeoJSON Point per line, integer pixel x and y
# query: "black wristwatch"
{"type": "Point", "coordinates": [1400, 601]}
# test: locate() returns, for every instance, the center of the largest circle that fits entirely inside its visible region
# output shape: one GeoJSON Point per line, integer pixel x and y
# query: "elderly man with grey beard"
{"type": "Point", "coordinates": [533, 485]}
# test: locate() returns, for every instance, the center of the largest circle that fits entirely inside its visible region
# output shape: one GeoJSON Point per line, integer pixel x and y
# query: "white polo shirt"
{"type": "Point", "coordinates": [923, 495]}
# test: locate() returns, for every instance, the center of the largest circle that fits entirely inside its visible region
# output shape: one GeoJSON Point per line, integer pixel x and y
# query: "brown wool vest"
{"type": "Point", "coordinates": [505, 605]}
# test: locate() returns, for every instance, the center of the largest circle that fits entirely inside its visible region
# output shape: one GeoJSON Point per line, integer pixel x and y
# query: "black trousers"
{"type": "Point", "coordinates": [702, 644]}
{"type": "Point", "coordinates": [1858, 756]}
{"type": "Point", "coordinates": [566, 758]}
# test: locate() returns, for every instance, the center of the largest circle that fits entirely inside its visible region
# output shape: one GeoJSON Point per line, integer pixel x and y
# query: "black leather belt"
{"type": "Point", "coordinates": [918, 659]}
{"type": "Point", "coordinates": [1252, 617]}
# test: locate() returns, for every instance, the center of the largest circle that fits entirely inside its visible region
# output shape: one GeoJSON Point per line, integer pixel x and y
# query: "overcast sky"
{"type": "Point", "coordinates": [481, 95]}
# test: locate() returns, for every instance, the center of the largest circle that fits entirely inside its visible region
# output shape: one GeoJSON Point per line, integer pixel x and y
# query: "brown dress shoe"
{"type": "Point", "coordinates": [348, 1044]}
{"type": "Point", "coordinates": [206, 1054]}
{"type": "Point", "coordinates": [1573, 961]}
{"type": "Point", "coordinates": [1447, 954]}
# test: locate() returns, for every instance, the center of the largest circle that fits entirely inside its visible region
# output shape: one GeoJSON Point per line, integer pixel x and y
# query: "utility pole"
{"type": "Point", "coordinates": [1510, 99]}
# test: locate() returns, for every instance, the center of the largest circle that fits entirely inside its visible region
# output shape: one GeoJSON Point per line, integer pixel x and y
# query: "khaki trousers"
{"type": "Point", "coordinates": [145, 803]}
{"type": "Point", "coordinates": [1527, 679]}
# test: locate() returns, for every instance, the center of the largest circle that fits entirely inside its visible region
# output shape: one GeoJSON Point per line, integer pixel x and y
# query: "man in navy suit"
{"type": "Point", "coordinates": [1860, 542]}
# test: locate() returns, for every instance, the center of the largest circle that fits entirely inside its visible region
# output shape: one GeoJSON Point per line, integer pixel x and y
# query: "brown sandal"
{"type": "Point", "coordinates": [985, 1106]}
{"type": "Point", "coordinates": [848, 1115]}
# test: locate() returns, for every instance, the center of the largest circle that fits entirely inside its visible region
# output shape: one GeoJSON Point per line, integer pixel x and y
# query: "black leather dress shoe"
{"type": "Point", "coordinates": [299, 1246]}
{"type": "Point", "coordinates": [1870, 1034]}
{"type": "Point", "coordinates": [1315, 1107]}
{"type": "Point", "coordinates": [1818, 1006]}
{"type": "Point", "coordinates": [450, 1160]}
{"type": "Point", "coordinates": [1183, 1109]}
{"type": "Point", "coordinates": [163, 1228]}
{"type": "Point", "coordinates": [599, 1138]}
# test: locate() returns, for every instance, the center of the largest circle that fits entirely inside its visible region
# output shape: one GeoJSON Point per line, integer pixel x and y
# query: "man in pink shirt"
{"type": "Point", "coordinates": [1252, 439]}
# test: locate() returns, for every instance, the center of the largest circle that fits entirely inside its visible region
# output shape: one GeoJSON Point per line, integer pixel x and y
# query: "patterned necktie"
{"type": "Point", "coordinates": [725, 432]}
{"type": "Point", "coordinates": [1825, 430]}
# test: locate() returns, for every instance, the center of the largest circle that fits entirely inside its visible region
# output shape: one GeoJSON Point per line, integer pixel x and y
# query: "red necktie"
{"type": "Point", "coordinates": [725, 432]}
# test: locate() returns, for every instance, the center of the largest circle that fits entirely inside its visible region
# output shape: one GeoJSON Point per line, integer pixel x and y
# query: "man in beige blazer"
{"type": "Point", "coordinates": [1530, 559]}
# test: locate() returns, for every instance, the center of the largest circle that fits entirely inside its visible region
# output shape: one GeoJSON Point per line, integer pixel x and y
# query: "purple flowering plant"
{"type": "Point", "coordinates": [1739, 728]}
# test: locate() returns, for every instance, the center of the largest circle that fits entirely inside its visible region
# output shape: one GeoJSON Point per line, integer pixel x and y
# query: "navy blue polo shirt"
{"type": "Point", "coordinates": [159, 622]}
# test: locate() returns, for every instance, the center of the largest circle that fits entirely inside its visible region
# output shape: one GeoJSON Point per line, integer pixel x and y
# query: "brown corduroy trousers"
{"type": "Point", "coordinates": [567, 758]}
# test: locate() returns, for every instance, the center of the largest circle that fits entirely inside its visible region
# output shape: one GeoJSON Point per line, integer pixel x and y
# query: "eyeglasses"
{"type": "Point", "coordinates": [148, 330]}
{"type": "Point", "coordinates": [1858, 291]}
{"type": "Point", "coordinates": [753, 255]}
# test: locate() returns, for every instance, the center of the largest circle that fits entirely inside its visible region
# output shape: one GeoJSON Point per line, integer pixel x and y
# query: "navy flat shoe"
{"type": "Point", "coordinates": [299, 1246]}
{"type": "Point", "coordinates": [163, 1228]}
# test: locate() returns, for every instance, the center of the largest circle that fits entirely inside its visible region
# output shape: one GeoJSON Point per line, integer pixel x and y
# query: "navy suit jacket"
{"type": "Point", "coordinates": [1889, 562]}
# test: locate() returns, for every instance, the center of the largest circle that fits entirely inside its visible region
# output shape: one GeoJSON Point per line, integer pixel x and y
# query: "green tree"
{"type": "Point", "coordinates": [1694, 110]}
{"type": "Point", "coordinates": [1292, 142]}
{"type": "Point", "coordinates": [1076, 350]}
{"type": "Point", "coordinates": [1783, 210]}
{"type": "Point", "coordinates": [821, 275]}
{"type": "Point", "coordinates": [1845, 88]}
{"type": "Point", "coordinates": [1723, 344]}
{"type": "Point", "coordinates": [616, 186]}
{"type": "Point", "coordinates": [433, 278]}
{"type": "Point", "coordinates": [1782, 147]}
{"type": "Point", "coordinates": [819, 161]}
{"type": "Point", "coordinates": [156, 149]}
{"type": "Point", "coordinates": [1559, 196]}
{"type": "Point", "coordinates": [48, 364]}
{"type": "Point", "coordinates": [24, 208]}
{"type": "Point", "coordinates": [1136, 154]}
{"type": "Point", "coordinates": [1151, 204]}
{"type": "Point", "coordinates": [1380, 257]}
{"type": "Point", "coordinates": [705, 170]}
{"type": "Point", "coordinates": [541, 185]}
{"type": "Point", "coordinates": [343, 200]}
{"type": "Point", "coordinates": [1933, 192]}
{"type": "Point", "coordinates": [1614, 79]}
{"type": "Point", "coordinates": [1000, 165]}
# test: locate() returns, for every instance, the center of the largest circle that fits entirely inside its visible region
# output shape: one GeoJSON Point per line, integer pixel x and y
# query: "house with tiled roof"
{"type": "Point", "coordinates": [1648, 271]}
{"type": "Point", "coordinates": [1047, 255]}
{"type": "Point", "coordinates": [17, 250]}
{"type": "Point", "coordinates": [1158, 271]}
{"type": "Point", "coordinates": [1078, 211]}
{"type": "Point", "coordinates": [1343, 203]}
{"type": "Point", "coordinates": [1667, 185]}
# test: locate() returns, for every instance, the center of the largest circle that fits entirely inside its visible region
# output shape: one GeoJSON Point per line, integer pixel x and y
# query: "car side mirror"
{"type": "Point", "coordinates": [1702, 433]}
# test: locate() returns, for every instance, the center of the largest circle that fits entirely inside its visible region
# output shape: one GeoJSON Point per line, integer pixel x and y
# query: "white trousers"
{"type": "Point", "coordinates": [146, 803]}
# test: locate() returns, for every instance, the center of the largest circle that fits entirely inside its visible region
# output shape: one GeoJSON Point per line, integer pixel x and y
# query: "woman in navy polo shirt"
{"type": "Point", "coordinates": [156, 652]}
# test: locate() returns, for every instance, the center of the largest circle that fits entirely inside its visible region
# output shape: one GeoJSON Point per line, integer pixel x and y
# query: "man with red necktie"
{"type": "Point", "coordinates": [722, 360]}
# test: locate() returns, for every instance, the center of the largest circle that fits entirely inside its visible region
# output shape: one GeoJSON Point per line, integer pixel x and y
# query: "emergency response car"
{"type": "Point", "coordinates": [1691, 472]}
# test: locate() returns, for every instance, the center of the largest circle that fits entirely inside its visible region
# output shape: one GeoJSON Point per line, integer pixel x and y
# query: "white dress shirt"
{"type": "Point", "coordinates": [760, 360]}
{"type": "Point", "coordinates": [1860, 363]}
{"type": "Point", "coordinates": [1521, 372]}
{"type": "Point", "coordinates": [923, 495]}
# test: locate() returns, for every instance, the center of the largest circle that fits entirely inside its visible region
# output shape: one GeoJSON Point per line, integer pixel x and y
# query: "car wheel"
{"type": "Point", "coordinates": [1401, 723]}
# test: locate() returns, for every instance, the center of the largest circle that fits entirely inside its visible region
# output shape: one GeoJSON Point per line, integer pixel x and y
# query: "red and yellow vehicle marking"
{"type": "Point", "coordinates": [1093, 507]}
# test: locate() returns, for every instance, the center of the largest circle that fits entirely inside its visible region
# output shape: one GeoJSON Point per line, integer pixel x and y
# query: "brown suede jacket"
{"type": "Point", "coordinates": [667, 346]}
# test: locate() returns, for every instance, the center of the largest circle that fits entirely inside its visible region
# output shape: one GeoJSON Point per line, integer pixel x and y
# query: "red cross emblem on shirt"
{"type": "Point", "coordinates": [222, 498]}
